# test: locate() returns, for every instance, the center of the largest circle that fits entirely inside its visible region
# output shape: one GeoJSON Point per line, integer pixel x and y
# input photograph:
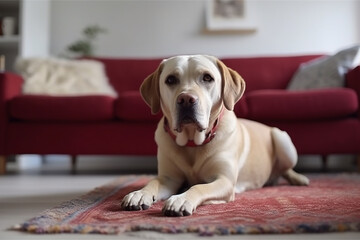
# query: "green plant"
{"type": "Point", "coordinates": [85, 46]}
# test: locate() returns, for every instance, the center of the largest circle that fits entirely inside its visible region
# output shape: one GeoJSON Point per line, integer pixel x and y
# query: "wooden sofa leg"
{"type": "Point", "coordinates": [73, 163]}
{"type": "Point", "coordinates": [324, 159]}
{"type": "Point", "coordinates": [2, 165]}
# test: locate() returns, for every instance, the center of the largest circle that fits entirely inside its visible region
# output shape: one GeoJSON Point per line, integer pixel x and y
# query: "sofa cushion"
{"type": "Point", "coordinates": [326, 72]}
{"type": "Point", "coordinates": [69, 109]}
{"type": "Point", "coordinates": [278, 105]}
{"type": "Point", "coordinates": [63, 77]}
{"type": "Point", "coordinates": [131, 107]}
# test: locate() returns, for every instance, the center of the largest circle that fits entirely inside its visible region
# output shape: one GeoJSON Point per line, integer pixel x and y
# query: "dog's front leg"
{"type": "Point", "coordinates": [158, 188]}
{"type": "Point", "coordinates": [185, 204]}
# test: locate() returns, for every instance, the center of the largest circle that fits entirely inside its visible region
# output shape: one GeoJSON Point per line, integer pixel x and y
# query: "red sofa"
{"type": "Point", "coordinates": [319, 121]}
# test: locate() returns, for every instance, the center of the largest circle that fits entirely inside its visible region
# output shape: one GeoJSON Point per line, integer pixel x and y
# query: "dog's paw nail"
{"type": "Point", "coordinates": [145, 207]}
{"type": "Point", "coordinates": [167, 213]}
{"type": "Point", "coordinates": [171, 213]}
{"type": "Point", "coordinates": [186, 213]}
{"type": "Point", "coordinates": [135, 208]}
{"type": "Point", "coordinates": [127, 208]}
{"type": "Point", "coordinates": [131, 208]}
{"type": "Point", "coordinates": [178, 214]}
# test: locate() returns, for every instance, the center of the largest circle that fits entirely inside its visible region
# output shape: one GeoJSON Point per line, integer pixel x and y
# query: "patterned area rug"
{"type": "Point", "coordinates": [331, 203]}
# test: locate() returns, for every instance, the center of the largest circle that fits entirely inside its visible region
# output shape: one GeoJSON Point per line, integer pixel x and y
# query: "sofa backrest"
{"type": "Point", "coordinates": [267, 72]}
{"type": "Point", "coordinates": [258, 72]}
{"type": "Point", "coordinates": [128, 74]}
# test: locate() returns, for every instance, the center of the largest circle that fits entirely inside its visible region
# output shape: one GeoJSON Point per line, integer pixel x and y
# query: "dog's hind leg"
{"type": "Point", "coordinates": [286, 155]}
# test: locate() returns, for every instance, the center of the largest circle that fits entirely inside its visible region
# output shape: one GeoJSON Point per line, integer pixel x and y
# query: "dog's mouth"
{"type": "Point", "coordinates": [188, 115]}
{"type": "Point", "coordinates": [185, 120]}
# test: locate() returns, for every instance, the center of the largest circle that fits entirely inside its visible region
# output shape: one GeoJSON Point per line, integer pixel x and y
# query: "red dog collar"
{"type": "Point", "coordinates": [209, 136]}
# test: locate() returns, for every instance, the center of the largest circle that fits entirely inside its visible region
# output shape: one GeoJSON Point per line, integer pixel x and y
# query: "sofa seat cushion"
{"type": "Point", "coordinates": [131, 107]}
{"type": "Point", "coordinates": [62, 109]}
{"type": "Point", "coordinates": [278, 105]}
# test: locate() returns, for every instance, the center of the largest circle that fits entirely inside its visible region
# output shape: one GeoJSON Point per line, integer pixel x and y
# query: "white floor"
{"type": "Point", "coordinates": [23, 195]}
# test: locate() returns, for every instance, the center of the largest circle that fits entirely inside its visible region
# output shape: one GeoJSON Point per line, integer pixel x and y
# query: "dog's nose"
{"type": "Point", "coordinates": [186, 100]}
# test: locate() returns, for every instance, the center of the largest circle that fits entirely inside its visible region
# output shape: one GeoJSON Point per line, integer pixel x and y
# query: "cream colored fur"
{"type": "Point", "coordinates": [243, 155]}
{"type": "Point", "coordinates": [62, 77]}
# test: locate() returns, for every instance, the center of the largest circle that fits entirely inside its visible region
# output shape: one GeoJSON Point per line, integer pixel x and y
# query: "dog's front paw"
{"type": "Point", "coordinates": [178, 206]}
{"type": "Point", "coordinates": [138, 200]}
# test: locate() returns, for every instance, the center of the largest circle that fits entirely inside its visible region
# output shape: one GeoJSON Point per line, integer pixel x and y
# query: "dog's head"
{"type": "Point", "coordinates": [191, 91]}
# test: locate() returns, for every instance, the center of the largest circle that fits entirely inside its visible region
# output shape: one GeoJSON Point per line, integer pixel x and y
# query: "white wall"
{"type": "Point", "coordinates": [157, 28]}
{"type": "Point", "coordinates": [35, 25]}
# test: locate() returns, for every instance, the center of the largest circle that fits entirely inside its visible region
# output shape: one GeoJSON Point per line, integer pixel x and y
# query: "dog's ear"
{"type": "Point", "coordinates": [150, 91]}
{"type": "Point", "coordinates": [233, 85]}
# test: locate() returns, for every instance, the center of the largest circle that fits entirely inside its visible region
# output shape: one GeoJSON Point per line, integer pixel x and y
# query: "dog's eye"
{"type": "Point", "coordinates": [171, 80]}
{"type": "Point", "coordinates": [207, 78]}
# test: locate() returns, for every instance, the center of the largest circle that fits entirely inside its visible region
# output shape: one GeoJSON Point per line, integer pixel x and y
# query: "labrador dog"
{"type": "Point", "coordinates": [203, 144]}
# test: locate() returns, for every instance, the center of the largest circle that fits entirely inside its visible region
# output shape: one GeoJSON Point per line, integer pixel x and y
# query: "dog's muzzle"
{"type": "Point", "coordinates": [186, 107]}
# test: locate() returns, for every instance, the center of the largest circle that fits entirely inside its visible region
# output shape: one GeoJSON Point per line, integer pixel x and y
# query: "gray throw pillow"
{"type": "Point", "coordinates": [325, 72]}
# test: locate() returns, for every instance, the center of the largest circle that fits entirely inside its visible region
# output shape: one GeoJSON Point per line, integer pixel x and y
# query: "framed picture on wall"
{"type": "Point", "coordinates": [228, 15]}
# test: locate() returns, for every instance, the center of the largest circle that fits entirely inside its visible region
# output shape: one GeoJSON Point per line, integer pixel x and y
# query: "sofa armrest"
{"type": "Point", "coordinates": [352, 80]}
{"type": "Point", "coordinates": [10, 86]}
